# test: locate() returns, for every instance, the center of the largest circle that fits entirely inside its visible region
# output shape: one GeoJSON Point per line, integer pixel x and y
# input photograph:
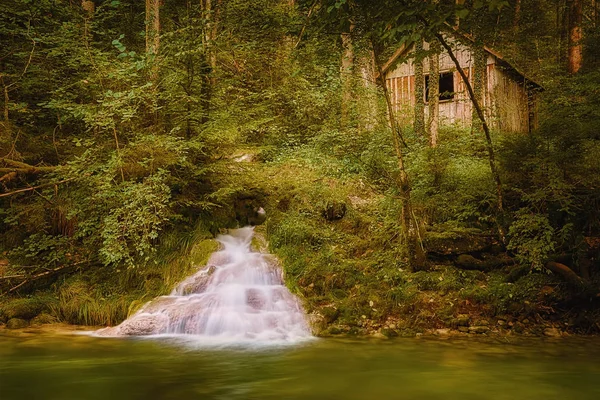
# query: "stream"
{"type": "Point", "coordinates": [81, 367]}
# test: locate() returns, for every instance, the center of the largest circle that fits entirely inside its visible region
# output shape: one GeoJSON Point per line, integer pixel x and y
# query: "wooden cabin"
{"type": "Point", "coordinates": [509, 100]}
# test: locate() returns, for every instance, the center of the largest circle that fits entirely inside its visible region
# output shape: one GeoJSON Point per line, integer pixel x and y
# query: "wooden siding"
{"type": "Point", "coordinates": [507, 105]}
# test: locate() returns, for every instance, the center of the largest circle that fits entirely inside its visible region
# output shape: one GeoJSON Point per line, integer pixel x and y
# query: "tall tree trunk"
{"type": "Point", "coordinates": [575, 55]}
{"type": "Point", "coordinates": [419, 123]}
{"type": "Point", "coordinates": [346, 74]}
{"type": "Point", "coordinates": [434, 93]}
{"type": "Point", "coordinates": [479, 72]}
{"type": "Point", "coordinates": [517, 17]}
{"type": "Point", "coordinates": [153, 34]}
{"type": "Point", "coordinates": [411, 231]}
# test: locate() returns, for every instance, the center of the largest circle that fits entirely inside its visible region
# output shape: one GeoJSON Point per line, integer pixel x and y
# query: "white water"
{"type": "Point", "coordinates": [237, 297]}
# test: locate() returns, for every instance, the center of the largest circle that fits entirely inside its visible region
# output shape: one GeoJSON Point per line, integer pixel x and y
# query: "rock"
{"type": "Point", "coordinates": [387, 332]}
{"type": "Point", "coordinates": [460, 320]}
{"type": "Point", "coordinates": [501, 322]}
{"type": "Point", "coordinates": [463, 329]}
{"type": "Point", "coordinates": [478, 329]}
{"type": "Point", "coordinates": [330, 314]}
{"type": "Point", "coordinates": [442, 332]}
{"type": "Point", "coordinates": [467, 261]}
{"type": "Point", "coordinates": [257, 217]}
{"type": "Point", "coordinates": [24, 308]}
{"type": "Point", "coordinates": [450, 242]}
{"type": "Point", "coordinates": [378, 335]}
{"type": "Point", "coordinates": [334, 330]}
{"type": "Point", "coordinates": [16, 323]}
{"type": "Point", "coordinates": [43, 319]}
{"type": "Point", "coordinates": [143, 325]}
{"type": "Point", "coordinates": [552, 332]}
{"type": "Point", "coordinates": [334, 210]}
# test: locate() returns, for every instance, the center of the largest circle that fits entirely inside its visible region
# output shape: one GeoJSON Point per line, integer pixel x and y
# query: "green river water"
{"type": "Point", "coordinates": [40, 367]}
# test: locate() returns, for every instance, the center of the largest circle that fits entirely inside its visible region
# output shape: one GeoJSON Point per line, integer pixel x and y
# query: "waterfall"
{"type": "Point", "coordinates": [238, 296]}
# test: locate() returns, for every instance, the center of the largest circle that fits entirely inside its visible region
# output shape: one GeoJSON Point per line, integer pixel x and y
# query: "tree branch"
{"type": "Point", "coordinates": [36, 187]}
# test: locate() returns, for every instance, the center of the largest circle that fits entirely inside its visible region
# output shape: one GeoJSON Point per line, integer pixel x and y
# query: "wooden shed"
{"type": "Point", "coordinates": [509, 99]}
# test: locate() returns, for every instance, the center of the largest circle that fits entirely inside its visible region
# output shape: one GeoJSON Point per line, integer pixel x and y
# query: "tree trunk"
{"type": "Point", "coordinates": [575, 55]}
{"type": "Point", "coordinates": [517, 18]}
{"type": "Point", "coordinates": [346, 71]}
{"type": "Point", "coordinates": [434, 93]}
{"type": "Point", "coordinates": [411, 230]}
{"type": "Point", "coordinates": [479, 67]}
{"type": "Point", "coordinates": [419, 123]}
{"type": "Point", "coordinates": [153, 34]}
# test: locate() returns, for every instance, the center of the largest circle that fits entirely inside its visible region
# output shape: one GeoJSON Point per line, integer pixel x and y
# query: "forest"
{"type": "Point", "coordinates": [132, 133]}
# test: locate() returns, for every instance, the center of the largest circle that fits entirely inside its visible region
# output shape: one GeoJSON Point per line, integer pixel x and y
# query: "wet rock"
{"type": "Point", "coordinates": [479, 329]}
{"type": "Point", "coordinates": [255, 298]}
{"type": "Point", "coordinates": [387, 332]}
{"type": "Point", "coordinates": [378, 335]}
{"type": "Point", "coordinates": [463, 329]}
{"type": "Point", "coordinates": [143, 325]}
{"type": "Point", "coordinates": [552, 332]}
{"type": "Point", "coordinates": [257, 217]}
{"type": "Point", "coordinates": [16, 323]}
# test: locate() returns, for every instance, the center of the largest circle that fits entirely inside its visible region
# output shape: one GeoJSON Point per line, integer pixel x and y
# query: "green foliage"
{"type": "Point", "coordinates": [531, 238]}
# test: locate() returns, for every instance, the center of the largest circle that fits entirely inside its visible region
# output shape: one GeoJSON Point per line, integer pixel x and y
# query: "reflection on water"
{"type": "Point", "coordinates": [80, 367]}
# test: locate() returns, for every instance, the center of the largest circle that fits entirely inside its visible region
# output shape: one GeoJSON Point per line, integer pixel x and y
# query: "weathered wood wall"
{"type": "Point", "coordinates": [507, 105]}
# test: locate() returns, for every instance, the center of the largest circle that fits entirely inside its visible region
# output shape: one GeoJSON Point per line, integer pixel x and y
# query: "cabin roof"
{"type": "Point", "coordinates": [501, 61]}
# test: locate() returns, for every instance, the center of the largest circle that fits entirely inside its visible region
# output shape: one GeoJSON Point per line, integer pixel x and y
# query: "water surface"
{"type": "Point", "coordinates": [80, 367]}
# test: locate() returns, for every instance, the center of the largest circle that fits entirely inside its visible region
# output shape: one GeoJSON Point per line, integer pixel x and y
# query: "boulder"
{"type": "Point", "coordinates": [43, 319]}
{"type": "Point", "coordinates": [142, 325]}
{"type": "Point", "coordinates": [478, 329]}
{"type": "Point", "coordinates": [16, 323]}
{"type": "Point", "coordinates": [552, 332]}
{"type": "Point", "coordinates": [455, 242]}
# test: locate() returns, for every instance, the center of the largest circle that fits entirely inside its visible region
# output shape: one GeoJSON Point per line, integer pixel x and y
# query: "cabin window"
{"type": "Point", "coordinates": [446, 86]}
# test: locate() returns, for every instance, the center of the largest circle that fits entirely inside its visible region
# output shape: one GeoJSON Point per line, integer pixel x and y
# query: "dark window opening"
{"type": "Point", "coordinates": [446, 86]}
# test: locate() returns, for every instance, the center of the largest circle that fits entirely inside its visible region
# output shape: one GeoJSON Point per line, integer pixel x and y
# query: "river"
{"type": "Point", "coordinates": [61, 367]}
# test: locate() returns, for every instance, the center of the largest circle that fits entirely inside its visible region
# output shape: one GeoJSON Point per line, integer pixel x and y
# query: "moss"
{"type": "Point", "coordinates": [27, 307]}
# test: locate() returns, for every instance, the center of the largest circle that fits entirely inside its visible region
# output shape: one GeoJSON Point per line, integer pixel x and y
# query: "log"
{"type": "Point", "coordinates": [567, 273]}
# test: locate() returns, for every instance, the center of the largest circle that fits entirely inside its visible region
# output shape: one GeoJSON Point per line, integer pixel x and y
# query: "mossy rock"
{"type": "Point", "coordinates": [17, 323]}
{"type": "Point", "coordinates": [24, 308]}
{"type": "Point", "coordinates": [458, 242]}
{"type": "Point", "coordinates": [44, 319]}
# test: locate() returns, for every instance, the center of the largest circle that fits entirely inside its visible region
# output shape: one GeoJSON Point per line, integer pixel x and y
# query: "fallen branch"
{"type": "Point", "coordinates": [567, 273]}
{"type": "Point", "coordinates": [44, 274]}
{"type": "Point", "coordinates": [36, 187]}
{"type": "Point", "coordinates": [18, 166]}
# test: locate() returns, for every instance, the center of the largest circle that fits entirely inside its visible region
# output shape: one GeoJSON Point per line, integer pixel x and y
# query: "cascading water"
{"type": "Point", "coordinates": [239, 296]}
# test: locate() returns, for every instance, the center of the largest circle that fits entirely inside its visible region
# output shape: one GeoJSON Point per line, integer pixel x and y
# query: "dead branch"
{"type": "Point", "coordinates": [36, 187]}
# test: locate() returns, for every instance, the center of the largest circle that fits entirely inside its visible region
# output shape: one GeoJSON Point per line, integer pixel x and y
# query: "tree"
{"type": "Point", "coordinates": [575, 53]}
{"type": "Point", "coordinates": [434, 93]}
